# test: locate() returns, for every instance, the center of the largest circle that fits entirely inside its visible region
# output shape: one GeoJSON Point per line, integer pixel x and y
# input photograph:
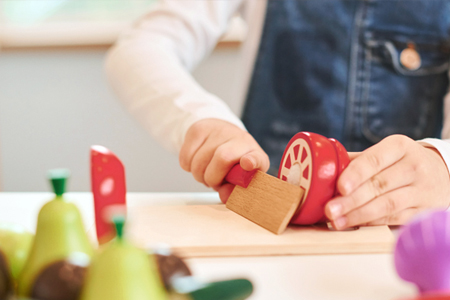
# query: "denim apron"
{"type": "Point", "coordinates": [333, 67]}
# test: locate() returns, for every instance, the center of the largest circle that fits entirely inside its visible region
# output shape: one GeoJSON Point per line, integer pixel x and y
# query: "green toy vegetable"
{"type": "Point", "coordinates": [6, 285]}
{"type": "Point", "coordinates": [59, 234]}
{"type": "Point", "coordinates": [15, 245]}
{"type": "Point", "coordinates": [122, 272]}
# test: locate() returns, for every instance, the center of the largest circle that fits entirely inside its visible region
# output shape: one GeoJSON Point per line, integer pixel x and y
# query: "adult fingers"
{"type": "Point", "coordinates": [381, 207]}
{"type": "Point", "coordinates": [371, 162]}
{"type": "Point", "coordinates": [396, 176]}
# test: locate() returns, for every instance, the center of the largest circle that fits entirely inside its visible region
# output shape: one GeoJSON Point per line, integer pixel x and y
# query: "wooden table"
{"type": "Point", "coordinates": [310, 277]}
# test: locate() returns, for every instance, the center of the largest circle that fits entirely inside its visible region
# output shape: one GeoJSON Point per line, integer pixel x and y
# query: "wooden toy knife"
{"type": "Point", "coordinates": [309, 169]}
{"type": "Point", "coordinates": [263, 199]}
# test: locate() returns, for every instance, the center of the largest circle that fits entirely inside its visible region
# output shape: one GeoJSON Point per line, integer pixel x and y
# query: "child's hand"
{"type": "Point", "coordinates": [212, 147]}
{"type": "Point", "coordinates": [389, 183]}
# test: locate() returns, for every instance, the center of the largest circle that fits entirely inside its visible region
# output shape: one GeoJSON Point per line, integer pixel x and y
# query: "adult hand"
{"type": "Point", "coordinates": [212, 147]}
{"type": "Point", "coordinates": [389, 183]}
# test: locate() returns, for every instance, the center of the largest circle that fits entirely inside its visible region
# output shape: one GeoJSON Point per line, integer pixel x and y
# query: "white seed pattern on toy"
{"type": "Point", "coordinates": [297, 165]}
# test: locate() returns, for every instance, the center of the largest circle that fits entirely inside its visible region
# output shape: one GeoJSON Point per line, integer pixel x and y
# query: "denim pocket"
{"type": "Point", "coordinates": [397, 100]}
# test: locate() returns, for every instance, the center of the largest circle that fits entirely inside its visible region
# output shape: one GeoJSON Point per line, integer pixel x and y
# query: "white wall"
{"type": "Point", "coordinates": [55, 104]}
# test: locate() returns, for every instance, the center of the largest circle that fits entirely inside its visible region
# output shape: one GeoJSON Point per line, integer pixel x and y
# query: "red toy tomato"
{"type": "Point", "coordinates": [342, 158]}
{"type": "Point", "coordinates": [314, 163]}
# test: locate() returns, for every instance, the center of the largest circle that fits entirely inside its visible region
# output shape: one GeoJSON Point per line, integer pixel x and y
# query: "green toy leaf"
{"type": "Point", "coordinates": [58, 178]}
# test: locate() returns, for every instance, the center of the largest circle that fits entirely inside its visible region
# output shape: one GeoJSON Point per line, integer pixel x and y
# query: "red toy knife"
{"type": "Point", "coordinates": [108, 188]}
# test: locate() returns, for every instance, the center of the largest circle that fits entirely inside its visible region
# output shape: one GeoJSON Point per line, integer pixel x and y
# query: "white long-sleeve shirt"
{"type": "Point", "coordinates": [149, 67]}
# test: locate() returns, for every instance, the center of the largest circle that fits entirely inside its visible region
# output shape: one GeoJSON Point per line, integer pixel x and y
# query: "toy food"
{"type": "Point", "coordinates": [6, 285]}
{"type": "Point", "coordinates": [188, 288]}
{"type": "Point", "coordinates": [108, 188]}
{"type": "Point", "coordinates": [314, 163]}
{"type": "Point", "coordinates": [307, 177]}
{"type": "Point", "coordinates": [60, 234]}
{"type": "Point", "coordinates": [122, 272]}
{"type": "Point", "coordinates": [15, 245]}
{"type": "Point", "coordinates": [62, 279]}
{"type": "Point", "coordinates": [180, 283]}
{"type": "Point", "coordinates": [169, 265]}
{"type": "Point", "coordinates": [421, 253]}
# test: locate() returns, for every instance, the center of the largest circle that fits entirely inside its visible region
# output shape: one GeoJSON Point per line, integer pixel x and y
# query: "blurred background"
{"type": "Point", "coordinates": [55, 101]}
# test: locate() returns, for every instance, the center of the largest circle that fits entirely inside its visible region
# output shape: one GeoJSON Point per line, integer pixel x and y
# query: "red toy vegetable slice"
{"type": "Point", "coordinates": [310, 161]}
{"type": "Point", "coordinates": [342, 156]}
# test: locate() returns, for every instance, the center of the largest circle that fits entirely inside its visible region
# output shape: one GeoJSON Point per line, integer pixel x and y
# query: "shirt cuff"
{"type": "Point", "coordinates": [442, 146]}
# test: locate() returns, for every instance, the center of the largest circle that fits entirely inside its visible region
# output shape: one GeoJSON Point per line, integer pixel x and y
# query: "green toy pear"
{"type": "Point", "coordinates": [6, 284]}
{"type": "Point", "coordinates": [60, 236]}
{"type": "Point", "coordinates": [122, 272]}
{"type": "Point", "coordinates": [15, 245]}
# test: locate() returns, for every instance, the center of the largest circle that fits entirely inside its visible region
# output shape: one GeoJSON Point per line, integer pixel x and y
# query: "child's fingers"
{"type": "Point", "coordinates": [212, 147]}
{"type": "Point", "coordinates": [201, 160]}
{"type": "Point", "coordinates": [353, 155]}
{"type": "Point", "coordinates": [383, 206]}
{"type": "Point", "coordinates": [225, 157]}
{"type": "Point", "coordinates": [395, 177]}
{"type": "Point", "coordinates": [396, 219]}
{"type": "Point", "coordinates": [191, 145]}
{"type": "Point", "coordinates": [256, 159]}
{"type": "Point", "coordinates": [372, 161]}
{"type": "Point", "coordinates": [229, 154]}
{"type": "Point", "coordinates": [225, 191]}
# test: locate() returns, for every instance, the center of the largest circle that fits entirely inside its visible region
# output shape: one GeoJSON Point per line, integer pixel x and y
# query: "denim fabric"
{"type": "Point", "coordinates": [332, 67]}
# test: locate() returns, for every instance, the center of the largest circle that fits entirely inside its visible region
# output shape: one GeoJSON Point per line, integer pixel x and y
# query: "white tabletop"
{"type": "Point", "coordinates": [311, 277]}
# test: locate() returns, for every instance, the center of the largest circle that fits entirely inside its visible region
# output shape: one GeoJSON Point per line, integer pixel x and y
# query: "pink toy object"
{"type": "Point", "coordinates": [108, 188]}
{"type": "Point", "coordinates": [431, 297]}
{"type": "Point", "coordinates": [422, 254]}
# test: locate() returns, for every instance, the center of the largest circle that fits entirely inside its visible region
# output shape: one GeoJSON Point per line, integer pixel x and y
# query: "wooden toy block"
{"type": "Point", "coordinates": [267, 201]}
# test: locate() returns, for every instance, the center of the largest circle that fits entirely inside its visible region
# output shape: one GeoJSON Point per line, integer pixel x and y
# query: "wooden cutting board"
{"type": "Point", "coordinates": [214, 230]}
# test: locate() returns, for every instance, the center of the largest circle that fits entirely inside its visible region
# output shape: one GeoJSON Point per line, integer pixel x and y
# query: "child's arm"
{"type": "Point", "coordinates": [149, 67]}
